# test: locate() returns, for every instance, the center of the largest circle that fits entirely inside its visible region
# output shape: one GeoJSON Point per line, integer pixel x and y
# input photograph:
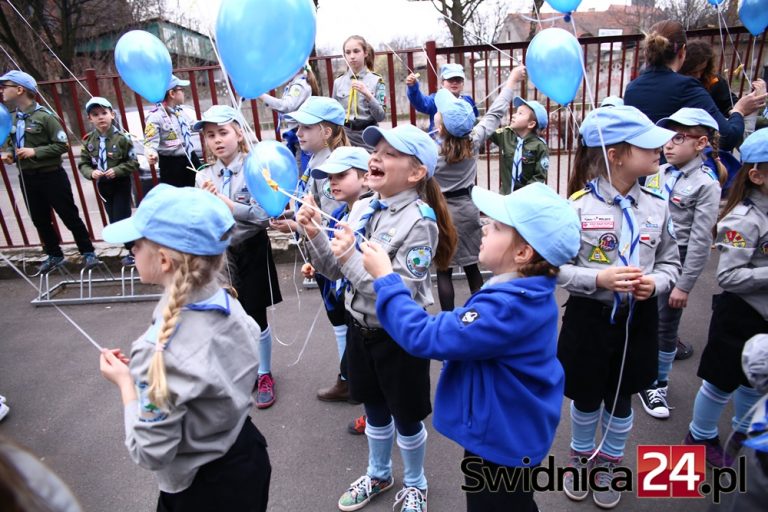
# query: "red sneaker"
{"type": "Point", "coordinates": [357, 426]}
{"type": "Point", "coordinates": [265, 391]}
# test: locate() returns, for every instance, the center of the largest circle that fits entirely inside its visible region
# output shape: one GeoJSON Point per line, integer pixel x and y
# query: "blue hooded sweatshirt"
{"type": "Point", "coordinates": [501, 389]}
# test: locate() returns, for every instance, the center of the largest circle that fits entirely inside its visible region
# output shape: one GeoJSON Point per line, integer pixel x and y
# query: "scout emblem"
{"type": "Point", "coordinates": [418, 259]}
{"type": "Point", "coordinates": [735, 239]}
{"type": "Point", "coordinates": [608, 242]}
{"type": "Point", "coordinates": [653, 182]}
{"type": "Point", "coordinates": [598, 256]}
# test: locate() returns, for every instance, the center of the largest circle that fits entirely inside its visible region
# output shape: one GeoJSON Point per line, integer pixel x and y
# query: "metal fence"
{"type": "Point", "coordinates": [611, 63]}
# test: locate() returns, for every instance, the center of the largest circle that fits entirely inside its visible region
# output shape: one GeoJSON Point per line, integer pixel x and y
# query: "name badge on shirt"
{"type": "Point", "coordinates": [243, 196]}
{"type": "Point", "coordinates": [597, 222]}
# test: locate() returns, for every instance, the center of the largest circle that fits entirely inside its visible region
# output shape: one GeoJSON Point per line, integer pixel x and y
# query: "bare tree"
{"type": "Point", "coordinates": [536, 9]}
{"type": "Point", "coordinates": [456, 15]}
{"type": "Point", "coordinates": [690, 13]}
{"type": "Point", "coordinates": [487, 21]}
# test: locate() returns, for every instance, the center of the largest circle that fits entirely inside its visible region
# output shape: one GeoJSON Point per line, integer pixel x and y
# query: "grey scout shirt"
{"type": "Point", "coordinates": [321, 188]}
{"type": "Point", "coordinates": [211, 364]}
{"type": "Point", "coordinates": [742, 239]}
{"type": "Point", "coordinates": [294, 95]}
{"type": "Point", "coordinates": [162, 132]}
{"type": "Point", "coordinates": [406, 230]}
{"type": "Point", "coordinates": [250, 217]}
{"type": "Point", "coordinates": [601, 225]}
{"type": "Point", "coordinates": [460, 175]}
{"type": "Point", "coordinates": [120, 155]}
{"type": "Point", "coordinates": [694, 204]}
{"type": "Point", "coordinates": [364, 109]}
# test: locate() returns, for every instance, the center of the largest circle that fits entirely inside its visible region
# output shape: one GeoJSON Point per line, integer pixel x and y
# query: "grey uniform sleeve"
{"type": "Point", "coordinates": [577, 279]}
{"type": "Point", "coordinates": [666, 266]}
{"type": "Point", "coordinates": [492, 119]}
{"type": "Point", "coordinates": [422, 234]}
{"type": "Point", "coordinates": [251, 213]}
{"type": "Point", "coordinates": [700, 239]}
{"type": "Point", "coordinates": [323, 258]}
{"type": "Point", "coordinates": [153, 445]}
{"type": "Point", "coordinates": [734, 273]}
{"type": "Point", "coordinates": [152, 133]}
{"type": "Point", "coordinates": [293, 98]}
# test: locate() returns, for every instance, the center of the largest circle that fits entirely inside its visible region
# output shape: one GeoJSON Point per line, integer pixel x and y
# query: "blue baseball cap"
{"type": "Point", "coordinates": [407, 139]}
{"type": "Point", "coordinates": [218, 114]}
{"type": "Point", "coordinates": [612, 101]}
{"type": "Point", "coordinates": [542, 120]}
{"type": "Point", "coordinates": [622, 124]}
{"type": "Point", "coordinates": [317, 109]}
{"type": "Point", "coordinates": [448, 71]}
{"type": "Point", "coordinates": [457, 114]}
{"type": "Point", "coordinates": [687, 116]}
{"type": "Point", "coordinates": [177, 82]}
{"type": "Point", "coordinates": [342, 158]}
{"type": "Point", "coordinates": [97, 101]}
{"type": "Point", "coordinates": [186, 219]}
{"type": "Point", "coordinates": [20, 78]}
{"type": "Point", "coordinates": [544, 219]}
{"type": "Point", "coordinates": [754, 149]}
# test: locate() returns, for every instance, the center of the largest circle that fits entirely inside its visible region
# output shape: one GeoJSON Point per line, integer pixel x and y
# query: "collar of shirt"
{"type": "Point", "coordinates": [236, 165]}
{"type": "Point", "coordinates": [359, 75]}
{"type": "Point", "coordinates": [400, 200]}
{"type": "Point", "coordinates": [760, 200]}
{"type": "Point", "coordinates": [219, 301]}
{"type": "Point", "coordinates": [606, 190]}
{"type": "Point", "coordinates": [501, 278]}
{"type": "Point", "coordinates": [31, 110]}
{"type": "Point", "coordinates": [691, 166]}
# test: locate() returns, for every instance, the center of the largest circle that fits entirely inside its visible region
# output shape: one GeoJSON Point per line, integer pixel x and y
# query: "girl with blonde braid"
{"type": "Point", "coordinates": [186, 389]}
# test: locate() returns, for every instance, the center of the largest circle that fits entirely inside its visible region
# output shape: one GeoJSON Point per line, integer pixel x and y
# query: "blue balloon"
{"type": "Point", "coordinates": [144, 64]}
{"type": "Point", "coordinates": [5, 123]}
{"type": "Point", "coordinates": [754, 15]}
{"type": "Point", "coordinates": [554, 63]}
{"type": "Point", "coordinates": [271, 164]}
{"type": "Point", "coordinates": [264, 43]}
{"type": "Point", "coordinates": [564, 6]}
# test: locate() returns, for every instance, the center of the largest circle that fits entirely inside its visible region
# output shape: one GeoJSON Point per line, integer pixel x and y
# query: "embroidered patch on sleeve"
{"type": "Point", "coordinates": [735, 239]}
{"type": "Point", "coordinates": [418, 260]}
{"type": "Point", "coordinates": [469, 317]}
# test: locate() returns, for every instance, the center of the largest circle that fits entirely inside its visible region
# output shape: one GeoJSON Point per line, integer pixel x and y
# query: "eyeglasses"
{"type": "Point", "coordinates": [679, 138]}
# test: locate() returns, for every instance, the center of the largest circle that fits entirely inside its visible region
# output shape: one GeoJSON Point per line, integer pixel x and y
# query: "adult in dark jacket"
{"type": "Point", "coordinates": [660, 90]}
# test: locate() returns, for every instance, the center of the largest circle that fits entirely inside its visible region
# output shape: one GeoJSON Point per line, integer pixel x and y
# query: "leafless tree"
{"type": "Point", "coordinates": [456, 15]}
{"type": "Point", "coordinates": [691, 13]}
{"type": "Point", "coordinates": [486, 22]}
{"type": "Point", "coordinates": [535, 9]}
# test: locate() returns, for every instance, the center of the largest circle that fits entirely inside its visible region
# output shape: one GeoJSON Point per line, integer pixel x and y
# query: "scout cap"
{"type": "Point", "coordinates": [186, 219]}
{"type": "Point", "coordinates": [407, 139]}
{"type": "Point", "coordinates": [754, 149]}
{"type": "Point", "coordinates": [342, 158]}
{"type": "Point", "coordinates": [448, 71]}
{"type": "Point", "coordinates": [97, 101]}
{"type": "Point", "coordinates": [622, 124]}
{"type": "Point", "coordinates": [20, 78]}
{"type": "Point", "coordinates": [218, 114]}
{"type": "Point", "coordinates": [317, 109]}
{"type": "Point", "coordinates": [612, 101]}
{"type": "Point", "coordinates": [544, 219]}
{"type": "Point", "coordinates": [538, 110]}
{"type": "Point", "coordinates": [457, 114]}
{"type": "Point", "coordinates": [687, 116]}
{"type": "Point", "coordinates": [177, 82]}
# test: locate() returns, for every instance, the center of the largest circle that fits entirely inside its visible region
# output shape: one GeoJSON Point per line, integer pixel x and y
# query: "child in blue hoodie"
{"type": "Point", "coordinates": [501, 389]}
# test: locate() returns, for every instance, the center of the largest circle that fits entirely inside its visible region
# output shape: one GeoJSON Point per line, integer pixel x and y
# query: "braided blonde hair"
{"type": "Point", "coordinates": [190, 273]}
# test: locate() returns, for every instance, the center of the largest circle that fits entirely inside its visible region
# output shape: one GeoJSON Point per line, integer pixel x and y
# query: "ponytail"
{"type": "Point", "coordinates": [454, 149]}
{"type": "Point", "coordinates": [662, 44]}
{"type": "Point", "coordinates": [722, 172]}
{"type": "Point", "coordinates": [430, 192]}
{"type": "Point", "coordinates": [312, 81]}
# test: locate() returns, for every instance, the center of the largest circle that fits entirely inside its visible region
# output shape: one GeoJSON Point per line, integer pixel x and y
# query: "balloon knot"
{"type": "Point", "coordinates": [567, 18]}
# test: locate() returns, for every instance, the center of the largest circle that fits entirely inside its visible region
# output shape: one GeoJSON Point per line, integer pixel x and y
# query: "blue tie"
{"type": "Point", "coordinates": [629, 253]}
{"type": "Point", "coordinates": [102, 153]}
{"type": "Point", "coordinates": [362, 224]}
{"type": "Point", "coordinates": [669, 184]}
{"type": "Point", "coordinates": [226, 187]}
{"type": "Point", "coordinates": [21, 127]}
{"type": "Point", "coordinates": [517, 161]}
{"type": "Point", "coordinates": [185, 134]}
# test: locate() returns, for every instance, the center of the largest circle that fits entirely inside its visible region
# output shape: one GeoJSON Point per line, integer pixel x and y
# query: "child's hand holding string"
{"type": "Point", "coordinates": [376, 260]}
{"type": "Point", "coordinates": [308, 216]}
{"type": "Point", "coordinates": [114, 367]}
{"type": "Point", "coordinates": [620, 279]}
{"type": "Point", "coordinates": [644, 288]}
{"type": "Point", "coordinates": [343, 242]}
{"type": "Point", "coordinates": [517, 75]}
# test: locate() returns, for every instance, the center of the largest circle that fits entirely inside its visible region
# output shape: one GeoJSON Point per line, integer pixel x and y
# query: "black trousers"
{"type": "Point", "coordinates": [497, 500]}
{"type": "Point", "coordinates": [174, 170]}
{"type": "Point", "coordinates": [117, 199]}
{"type": "Point", "coordinates": [44, 191]}
{"type": "Point", "coordinates": [236, 482]}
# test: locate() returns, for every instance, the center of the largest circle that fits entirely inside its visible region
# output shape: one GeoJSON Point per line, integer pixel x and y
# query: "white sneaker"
{"type": "Point", "coordinates": [2, 399]}
{"type": "Point", "coordinates": [654, 401]}
{"type": "Point", "coordinates": [4, 410]}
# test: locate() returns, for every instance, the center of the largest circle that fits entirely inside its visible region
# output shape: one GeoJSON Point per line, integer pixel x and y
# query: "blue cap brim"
{"type": "Point", "coordinates": [303, 118]}
{"type": "Point", "coordinates": [653, 138]}
{"type": "Point", "coordinates": [121, 232]}
{"type": "Point", "coordinates": [322, 171]}
{"type": "Point", "coordinates": [373, 134]}
{"type": "Point", "coordinates": [491, 204]}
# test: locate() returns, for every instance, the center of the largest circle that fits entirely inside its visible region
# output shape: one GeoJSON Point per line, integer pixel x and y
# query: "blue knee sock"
{"type": "Point", "coordinates": [707, 408]}
{"type": "Point", "coordinates": [665, 365]}
{"type": "Point", "coordinates": [265, 351]}
{"type": "Point", "coordinates": [340, 331]}
{"type": "Point", "coordinates": [380, 440]}
{"type": "Point", "coordinates": [616, 438]}
{"type": "Point", "coordinates": [413, 450]}
{"type": "Point", "coordinates": [744, 398]}
{"type": "Point", "coordinates": [583, 428]}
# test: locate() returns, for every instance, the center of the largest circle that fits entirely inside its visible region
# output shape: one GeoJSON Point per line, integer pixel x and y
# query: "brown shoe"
{"type": "Point", "coordinates": [339, 392]}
